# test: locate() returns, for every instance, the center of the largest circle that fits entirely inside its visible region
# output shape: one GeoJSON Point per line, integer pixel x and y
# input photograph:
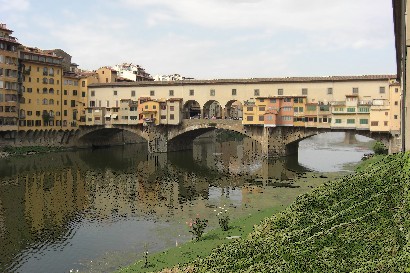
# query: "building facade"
{"type": "Point", "coordinates": [10, 86]}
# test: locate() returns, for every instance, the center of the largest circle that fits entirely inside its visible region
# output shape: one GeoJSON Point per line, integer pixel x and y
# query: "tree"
{"type": "Point", "coordinates": [379, 148]}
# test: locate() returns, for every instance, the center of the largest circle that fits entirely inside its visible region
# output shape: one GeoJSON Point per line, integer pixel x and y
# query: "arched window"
{"type": "Point", "coordinates": [45, 101]}
{"type": "Point", "coordinates": [44, 90]}
{"type": "Point", "coordinates": [51, 102]}
{"type": "Point", "coordinates": [45, 80]}
{"type": "Point", "coordinates": [51, 81]}
{"type": "Point", "coordinates": [51, 113]}
{"type": "Point", "coordinates": [51, 71]}
{"type": "Point", "coordinates": [51, 91]}
{"type": "Point", "coordinates": [45, 71]}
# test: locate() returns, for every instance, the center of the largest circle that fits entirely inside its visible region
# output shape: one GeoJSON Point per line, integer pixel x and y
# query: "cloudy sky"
{"type": "Point", "coordinates": [208, 39]}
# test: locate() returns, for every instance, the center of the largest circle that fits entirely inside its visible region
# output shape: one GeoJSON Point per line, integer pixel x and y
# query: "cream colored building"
{"type": "Point", "coordinates": [227, 92]}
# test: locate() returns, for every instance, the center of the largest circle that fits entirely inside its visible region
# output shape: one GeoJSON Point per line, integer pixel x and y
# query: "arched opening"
{"type": "Point", "coordinates": [191, 109]}
{"type": "Point", "coordinates": [233, 110]}
{"type": "Point", "coordinates": [212, 110]}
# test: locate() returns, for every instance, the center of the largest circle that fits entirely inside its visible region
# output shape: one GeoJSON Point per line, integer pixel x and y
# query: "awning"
{"type": "Point", "coordinates": [108, 115]}
{"type": "Point", "coordinates": [114, 115]}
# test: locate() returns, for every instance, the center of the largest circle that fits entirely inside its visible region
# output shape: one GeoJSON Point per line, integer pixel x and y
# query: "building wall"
{"type": "Point", "coordinates": [9, 87]}
{"type": "Point", "coordinates": [42, 81]}
{"type": "Point", "coordinates": [395, 107]}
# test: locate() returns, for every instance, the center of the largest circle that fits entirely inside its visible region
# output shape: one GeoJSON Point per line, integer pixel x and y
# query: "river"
{"type": "Point", "coordinates": [96, 210]}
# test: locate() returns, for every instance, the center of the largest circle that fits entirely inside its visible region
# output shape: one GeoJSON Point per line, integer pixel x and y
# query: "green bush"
{"type": "Point", "coordinates": [379, 148]}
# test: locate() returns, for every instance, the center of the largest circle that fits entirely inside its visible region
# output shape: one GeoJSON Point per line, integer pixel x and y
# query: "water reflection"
{"type": "Point", "coordinates": [58, 211]}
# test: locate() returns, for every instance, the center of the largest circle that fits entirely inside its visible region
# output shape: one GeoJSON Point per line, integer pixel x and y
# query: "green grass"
{"type": "Point", "coordinates": [358, 223]}
{"type": "Point", "coordinates": [194, 249]}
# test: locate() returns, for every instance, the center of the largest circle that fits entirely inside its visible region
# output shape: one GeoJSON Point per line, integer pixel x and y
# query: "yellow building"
{"type": "Point", "coordinates": [42, 76]}
{"type": "Point", "coordinates": [380, 116]}
{"type": "Point", "coordinates": [72, 105]}
{"type": "Point", "coordinates": [106, 74]}
{"type": "Point", "coordinates": [149, 111]}
{"type": "Point", "coordinates": [85, 78]}
{"type": "Point", "coordinates": [10, 89]}
{"type": "Point", "coordinates": [395, 107]}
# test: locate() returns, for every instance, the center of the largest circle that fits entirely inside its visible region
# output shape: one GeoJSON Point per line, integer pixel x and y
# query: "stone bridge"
{"type": "Point", "coordinates": [275, 141]}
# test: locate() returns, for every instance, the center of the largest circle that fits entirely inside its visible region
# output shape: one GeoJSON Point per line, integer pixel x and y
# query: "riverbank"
{"type": "Point", "coordinates": [359, 223]}
{"type": "Point", "coordinates": [241, 226]}
{"type": "Point", "coordinates": [8, 151]}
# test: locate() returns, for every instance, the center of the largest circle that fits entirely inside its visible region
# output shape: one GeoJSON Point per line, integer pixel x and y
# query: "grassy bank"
{"type": "Point", "coordinates": [27, 150]}
{"type": "Point", "coordinates": [358, 223]}
{"type": "Point", "coordinates": [277, 199]}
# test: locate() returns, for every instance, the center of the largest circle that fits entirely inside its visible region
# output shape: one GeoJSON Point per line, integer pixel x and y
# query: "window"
{"type": "Point", "coordinates": [395, 117]}
{"type": "Point", "coordinates": [163, 117]}
{"type": "Point", "coordinates": [92, 93]}
{"type": "Point", "coordinates": [65, 92]}
{"type": "Point", "coordinates": [304, 91]}
{"type": "Point", "coordinates": [364, 121]}
{"type": "Point", "coordinates": [171, 117]}
{"type": "Point", "coordinates": [75, 92]}
{"type": "Point", "coordinates": [273, 100]}
{"type": "Point", "coordinates": [249, 108]}
{"type": "Point", "coordinates": [295, 109]}
{"type": "Point", "coordinates": [374, 123]}
{"type": "Point", "coordinates": [382, 89]}
{"type": "Point", "coordinates": [152, 93]}
{"type": "Point", "coordinates": [29, 90]}
{"type": "Point", "coordinates": [386, 113]}
{"type": "Point", "coordinates": [83, 84]}
{"type": "Point", "coordinates": [171, 93]}
{"type": "Point", "coordinates": [386, 123]}
{"type": "Point", "coordinates": [396, 90]}
{"type": "Point", "coordinates": [338, 120]}
{"type": "Point", "coordinates": [355, 90]}
{"type": "Point", "coordinates": [330, 91]}
{"type": "Point", "coordinates": [351, 121]}
{"type": "Point", "coordinates": [212, 92]}
{"type": "Point", "coordinates": [287, 100]}
{"type": "Point", "coordinates": [172, 108]}
{"type": "Point", "coordinates": [154, 107]}
{"type": "Point", "coordinates": [261, 118]}
{"type": "Point", "coordinates": [83, 94]}
{"type": "Point", "coordinates": [364, 109]}
{"type": "Point", "coordinates": [351, 109]}
{"type": "Point", "coordinates": [72, 103]}
{"type": "Point", "coordinates": [249, 118]}
{"type": "Point", "coordinates": [65, 113]}
{"type": "Point", "coordinates": [396, 103]}
{"type": "Point", "coordinates": [311, 107]}
{"type": "Point", "coordinates": [132, 93]}
{"type": "Point", "coordinates": [256, 92]}
{"type": "Point", "coordinates": [191, 92]}
{"type": "Point", "coordinates": [146, 106]}
{"type": "Point", "coordinates": [108, 103]}
{"type": "Point", "coordinates": [261, 108]}
{"type": "Point", "coordinates": [233, 92]}
{"type": "Point", "coordinates": [300, 109]}
{"type": "Point", "coordinates": [280, 92]}
{"type": "Point", "coordinates": [115, 92]}
{"type": "Point", "coordinates": [65, 102]}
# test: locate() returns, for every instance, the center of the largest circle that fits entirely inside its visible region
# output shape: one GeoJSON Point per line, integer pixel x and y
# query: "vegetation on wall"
{"type": "Point", "coordinates": [358, 223]}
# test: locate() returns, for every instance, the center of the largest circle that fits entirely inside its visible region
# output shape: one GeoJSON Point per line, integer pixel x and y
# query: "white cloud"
{"type": "Point", "coordinates": [14, 6]}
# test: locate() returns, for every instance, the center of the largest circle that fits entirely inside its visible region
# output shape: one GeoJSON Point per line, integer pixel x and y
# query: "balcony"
{"type": "Point", "coordinates": [365, 102]}
{"type": "Point", "coordinates": [335, 103]}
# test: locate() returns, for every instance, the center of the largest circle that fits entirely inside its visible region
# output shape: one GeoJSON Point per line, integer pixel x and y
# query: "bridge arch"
{"type": "Point", "coordinates": [182, 138]}
{"type": "Point", "coordinates": [191, 109]}
{"type": "Point", "coordinates": [233, 110]}
{"type": "Point", "coordinates": [104, 136]}
{"type": "Point", "coordinates": [212, 109]}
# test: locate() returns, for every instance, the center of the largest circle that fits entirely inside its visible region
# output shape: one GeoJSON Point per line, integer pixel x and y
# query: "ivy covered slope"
{"type": "Point", "coordinates": [359, 223]}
